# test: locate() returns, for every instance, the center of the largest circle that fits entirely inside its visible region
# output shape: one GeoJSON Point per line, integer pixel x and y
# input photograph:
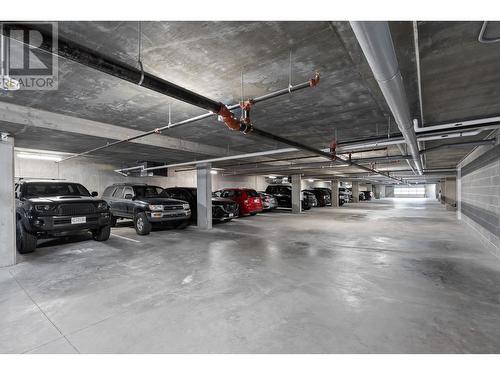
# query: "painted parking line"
{"type": "Point", "coordinates": [125, 238]}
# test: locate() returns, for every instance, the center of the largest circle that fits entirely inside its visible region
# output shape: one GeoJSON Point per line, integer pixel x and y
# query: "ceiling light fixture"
{"type": "Point", "coordinates": [213, 171]}
{"type": "Point", "coordinates": [48, 157]}
{"type": "Point", "coordinates": [272, 177]}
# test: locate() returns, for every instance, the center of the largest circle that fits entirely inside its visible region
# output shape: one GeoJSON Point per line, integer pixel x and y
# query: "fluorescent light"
{"type": "Point", "coordinates": [310, 180]}
{"type": "Point", "coordinates": [272, 177]}
{"type": "Point", "coordinates": [26, 155]}
{"type": "Point", "coordinates": [212, 171]}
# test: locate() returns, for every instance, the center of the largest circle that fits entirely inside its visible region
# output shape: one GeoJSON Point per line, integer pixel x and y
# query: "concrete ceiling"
{"type": "Point", "coordinates": [460, 79]}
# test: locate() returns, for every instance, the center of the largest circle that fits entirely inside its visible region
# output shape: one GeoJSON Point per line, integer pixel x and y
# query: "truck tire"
{"type": "Point", "coordinates": [101, 234]}
{"type": "Point", "coordinates": [25, 241]}
{"type": "Point", "coordinates": [141, 224]}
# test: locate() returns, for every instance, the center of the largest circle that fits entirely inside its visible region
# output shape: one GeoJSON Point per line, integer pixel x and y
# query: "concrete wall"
{"type": "Point", "coordinates": [479, 194]}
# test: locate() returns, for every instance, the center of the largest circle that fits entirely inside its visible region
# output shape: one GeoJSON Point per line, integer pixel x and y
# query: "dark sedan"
{"type": "Point", "coordinates": [222, 209]}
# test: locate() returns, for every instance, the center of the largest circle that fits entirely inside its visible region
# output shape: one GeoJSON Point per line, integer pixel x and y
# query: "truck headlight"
{"type": "Point", "coordinates": [185, 206]}
{"type": "Point", "coordinates": [156, 207]}
{"type": "Point", "coordinates": [102, 206]}
{"type": "Point", "coordinates": [44, 207]}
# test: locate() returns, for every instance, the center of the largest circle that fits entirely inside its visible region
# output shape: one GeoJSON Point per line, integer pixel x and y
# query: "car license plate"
{"type": "Point", "coordinates": [231, 215]}
{"type": "Point", "coordinates": [78, 220]}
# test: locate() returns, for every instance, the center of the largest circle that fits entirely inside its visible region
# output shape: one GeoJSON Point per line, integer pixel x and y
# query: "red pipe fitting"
{"type": "Point", "coordinates": [228, 117]}
{"type": "Point", "coordinates": [314, 81]}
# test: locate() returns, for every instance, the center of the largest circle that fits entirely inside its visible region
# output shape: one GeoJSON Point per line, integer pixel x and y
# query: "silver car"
{"type": "Point", "coordinates": [269, 202]}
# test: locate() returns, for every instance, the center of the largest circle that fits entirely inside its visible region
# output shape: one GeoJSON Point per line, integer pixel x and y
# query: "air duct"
{"type": "Point", "coordinates": [376, 42]}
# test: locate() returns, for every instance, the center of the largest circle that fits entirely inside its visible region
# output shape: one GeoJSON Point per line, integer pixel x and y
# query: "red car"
{"type": "Point", "coordinates": [248, 199]}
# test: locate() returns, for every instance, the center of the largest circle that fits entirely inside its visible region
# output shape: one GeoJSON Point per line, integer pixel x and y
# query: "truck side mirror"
{"type": "Point", "coordinates": [94, 194]}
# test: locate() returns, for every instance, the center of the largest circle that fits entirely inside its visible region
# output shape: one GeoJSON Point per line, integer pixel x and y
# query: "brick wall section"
{"type": "Point", "coordinates": [479, 194]}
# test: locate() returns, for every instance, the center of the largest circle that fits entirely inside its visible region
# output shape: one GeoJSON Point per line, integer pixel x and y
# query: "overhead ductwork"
{"type": "Point", "coordinates": [376, 42]}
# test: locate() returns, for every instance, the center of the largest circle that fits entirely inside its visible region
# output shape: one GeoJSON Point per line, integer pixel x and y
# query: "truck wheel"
{"type": "Point", "coordinates": [141, 224]}
{"type": "Point", "coordinates": [25, 241]}
{"type": "Point", "coordinates": [101, 234]}
{"type": "Point", "coordinates": [112, 220]}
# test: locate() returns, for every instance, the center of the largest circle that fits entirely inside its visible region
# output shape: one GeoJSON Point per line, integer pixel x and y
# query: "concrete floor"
{"type": "Point", "coordinates": [381, 277]}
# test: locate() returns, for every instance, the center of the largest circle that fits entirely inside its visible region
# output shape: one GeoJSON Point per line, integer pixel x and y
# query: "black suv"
{"type": "Point", "coordinates": [283, 194]}
{"type": "Point", "coordinates": [145, 206]}
{"type": "Point", "coordinates": [222, 209]}
{"type": "Point", "coordinates": [323, 195]}
{"type": "Point", "coordinates": [49, 208]}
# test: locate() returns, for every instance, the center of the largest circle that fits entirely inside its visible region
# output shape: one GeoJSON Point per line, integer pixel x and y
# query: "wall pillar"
{"type": "Point", "coordinates": [204, 196]}
{"type": "Point", "coordinates": [296, 194]}
{"type": "Point", "coordinates": [355, 192]}
{"type": "Point", "coordinates": [335, 193]}
{"type": "Point", "coordinates": [8, 250]}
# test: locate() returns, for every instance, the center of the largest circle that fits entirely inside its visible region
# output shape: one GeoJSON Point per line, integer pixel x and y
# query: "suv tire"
{"type": "Point", "coordinates": [141, 224]}
{"type": "Point", "coordinates": [112, 221]}
{"type": "Point", "coordinates": [25, 241]}
{"type": "Point", "coordinates": [101, 234]}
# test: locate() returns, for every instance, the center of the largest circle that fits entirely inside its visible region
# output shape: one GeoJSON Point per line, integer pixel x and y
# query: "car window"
{"type": "Point", "coordinates": [252, 193]}
{"type": "Point", "coordinates": [47, 189]}
{"type": "Point", "coordinates": [108, 191]}
{"type": "Point", "coordinates": [118, 192]}
{"type": "Point", "coordinates": [147, 191]}
{"type": "Point", "coordinates": [284, 190]}
{"type": "Point", "coordinates": [127, 190]}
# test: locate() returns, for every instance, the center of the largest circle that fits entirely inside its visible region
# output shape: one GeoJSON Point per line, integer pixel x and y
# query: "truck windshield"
{"type": "Point", "coordinates": [147, 191]}
{"type": "Point", "coordinates": [53, 189]}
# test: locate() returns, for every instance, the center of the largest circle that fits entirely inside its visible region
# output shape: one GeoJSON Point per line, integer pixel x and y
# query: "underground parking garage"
{"type": "Point", "coordinates": [332, 188]}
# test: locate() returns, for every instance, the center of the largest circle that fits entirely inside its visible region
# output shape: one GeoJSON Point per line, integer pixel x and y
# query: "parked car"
{"type": "Point", "coordinates": [283, 194]}
{"type": "Point", "coordinates": [365, 195]}
{"type": "Point", "coordinates": [323, 195]}
{"type": "Point", "coordinates": [345, 196]}
{"type": "Point", "coordinates": [222, 209]}
{"type": "Point", "coordinates": [248, 200]}
{"type": "Point", "coordinates": [145, 206]}
{"type": "Point", "coordinates": [269, 202]}
{"type": "Point", "coordinates": [50, 208]}
{"type": "Point", "coordinates": [310, 198]}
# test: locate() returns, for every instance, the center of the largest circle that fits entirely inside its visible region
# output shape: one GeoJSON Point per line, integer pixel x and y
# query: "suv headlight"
{"type": "Point", "coordinates": [44, 207]}
{"type": "Point", "coordinates": [156, 207]}
{"type": "Point", "coordinates": [102, 206]}
{"type": "Point", "coordinates": [185, 206]}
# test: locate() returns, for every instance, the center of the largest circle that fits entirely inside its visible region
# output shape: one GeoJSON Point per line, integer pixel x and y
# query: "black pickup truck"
{"type": "Point", "coordinates": [143, 204]}
{"type": "Point", "coordinates": [50, 208]}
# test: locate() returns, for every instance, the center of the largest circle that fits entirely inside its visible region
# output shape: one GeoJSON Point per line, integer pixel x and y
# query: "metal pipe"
{"type": "Point", "coordinates": [85, 56]}
{"type": "Point", "coordinates": [376, 42]}
{"type": "Point", "coordinates": [482, 39]}
{"type": "Point", "coordinates": [461, 144]}
{"type": "Point", "coordinates": [232, 157]}
{"type": "Point", "coordinates": [259, 99]}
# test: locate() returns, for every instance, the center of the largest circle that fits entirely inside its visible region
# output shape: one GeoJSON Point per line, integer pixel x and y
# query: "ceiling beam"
{"type": "Point", "coordinates": [26, 116]}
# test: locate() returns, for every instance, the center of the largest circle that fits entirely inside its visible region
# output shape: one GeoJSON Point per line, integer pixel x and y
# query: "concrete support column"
{"type": "Point", "coordinates": [459, 193]}
{"type": "Point", "coordinates": [335, 193]}
{"type": "Point", "coordinates": [204, 196]}
{"type": "Point", "coordinates": [296, 193]}
{"type": "Point", "coordinates": [355, 192]}
{"type": "Point", "coordinates": [7, 203]}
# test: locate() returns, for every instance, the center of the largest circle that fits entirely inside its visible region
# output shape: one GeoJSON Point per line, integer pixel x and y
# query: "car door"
{"type": "Point", "coordinates": [115, 203]}
{"type": "Point", "coordinates": [128, 205]}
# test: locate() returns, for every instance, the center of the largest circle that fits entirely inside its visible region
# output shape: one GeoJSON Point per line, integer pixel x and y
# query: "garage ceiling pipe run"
{"type": "Point", "coordinates": [83, 55]}
{"type": "Point", "coordinates": [376, 42]}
